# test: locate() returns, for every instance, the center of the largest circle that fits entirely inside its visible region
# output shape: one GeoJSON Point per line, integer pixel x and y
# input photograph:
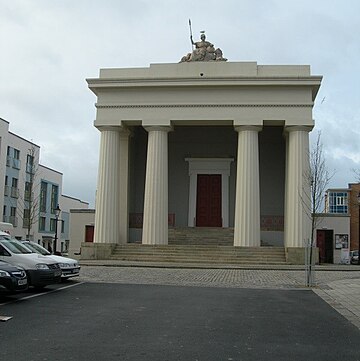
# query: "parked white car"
{"type": "Point", "coordinates": [69, 267]}
{"type": "Point", "coordinates": [40, 270]}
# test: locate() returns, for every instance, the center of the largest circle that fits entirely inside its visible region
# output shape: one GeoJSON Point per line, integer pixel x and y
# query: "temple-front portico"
{"type": "Point", "coordinates": [204, 144]}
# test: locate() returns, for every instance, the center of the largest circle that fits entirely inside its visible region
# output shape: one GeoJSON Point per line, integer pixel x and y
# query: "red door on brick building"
{"type": "Point", "coordinates": [208, 201]}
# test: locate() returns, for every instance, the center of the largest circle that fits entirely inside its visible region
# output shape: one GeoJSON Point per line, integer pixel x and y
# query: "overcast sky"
{"type": "Point", "coordinates": [49, 47]}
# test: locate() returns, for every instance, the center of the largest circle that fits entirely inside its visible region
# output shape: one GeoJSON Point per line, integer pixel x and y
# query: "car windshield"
{"type": "Point", "coordinates": [14, 246]}
{"type": "Point", "coordinates": [37, 248]}
{"type": "Point", "coordinates": [355, 253]}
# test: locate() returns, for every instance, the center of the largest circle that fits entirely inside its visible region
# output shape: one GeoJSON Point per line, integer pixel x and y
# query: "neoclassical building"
{"type": "Point", "coordinates": [204, 144]}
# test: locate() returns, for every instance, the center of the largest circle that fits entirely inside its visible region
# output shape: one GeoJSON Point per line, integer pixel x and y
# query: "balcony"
{"type": "Point", "coordinates": [16, 163]}
{"type": "Point", "coordinates": [14, 192]}
{"type": "Point", "coordinates": [13, 220]}
{"type": "Point", "coordinates": [30, 168]}
{"type": "Point", "coordinates": [28, 196]}
{"type": "Point", "coordinates": [26, 222]}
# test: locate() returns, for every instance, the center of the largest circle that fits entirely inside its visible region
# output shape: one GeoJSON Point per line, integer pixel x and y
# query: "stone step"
{"type": "Point", "coordinates": [197, 255]}
{"type": "Point", "coordinates": [199, 248]}
{"type": "Point", "coordinates": [201, 235]}
{"type": "Point", "coordinates": [200, 261]}
{"type": "Point", "coordinates": [200, 254]}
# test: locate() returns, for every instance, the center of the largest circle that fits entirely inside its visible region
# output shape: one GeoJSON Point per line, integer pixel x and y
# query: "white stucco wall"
{"type": "Point", "coordinates": [79, 218]}
{"type": "Point", "coordinates": [339, 224]}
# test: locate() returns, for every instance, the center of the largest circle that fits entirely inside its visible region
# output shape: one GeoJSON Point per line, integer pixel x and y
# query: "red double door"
{"type": "Point", "coordinates": [208, 201]}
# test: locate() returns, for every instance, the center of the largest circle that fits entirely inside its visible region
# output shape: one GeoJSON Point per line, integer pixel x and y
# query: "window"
{"type": "Point", "coordinates": [27, 193]}
{"type": "Point", "coordinates": [30, 164]}
{"type": "Point", "coordinates": [26, 218]}
{"type": "Point", "coordinates": [4, 211]}
{"type": "Point", "coordinates": [52, 224]}
{"type": "Point", "coordinates": [14, 188]}
{"type": "Point", "coordinates": [42, 222]}
{"type": "Point", "coordinates": [13, 218]}
{"type": "Point", "coordinates": [54, 197]}
{"type": "Point", "coordinates": [43, 196]}
{"type": "Point", "coordinates": [338, 202]}
{"type": "Point", "coordinates": [16, 160]}
{"type": "Point", "coordinates": [8, 157]}
{"type": "Point", "coordinates": [16, 154]}
{"type": "Point", "coordinates": [29, 159]}
{"type": "Point", "coordinates": [62, 226]}
{"type": "Point", "coordinates": [6, 188]}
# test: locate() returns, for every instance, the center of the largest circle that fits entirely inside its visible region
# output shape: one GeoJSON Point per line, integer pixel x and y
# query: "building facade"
{"type": "Point", "coordinates": [82, 223]}
{"type": "Point", "coordinates": [337, 232]}
{"type": "Point", "coordinates": [30, 193]}
{"type": "Point", "coordinates": [204, 144]}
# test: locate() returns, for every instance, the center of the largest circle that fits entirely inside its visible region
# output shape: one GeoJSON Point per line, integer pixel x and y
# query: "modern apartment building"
{"type": "Point", "coordinates": [31, 194]}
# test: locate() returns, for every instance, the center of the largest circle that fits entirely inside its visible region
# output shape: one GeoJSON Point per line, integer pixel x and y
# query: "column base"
{"type": "Point", "coordinates": [96, 250]}
{"type": "Point", "coordinates": [296, 255]}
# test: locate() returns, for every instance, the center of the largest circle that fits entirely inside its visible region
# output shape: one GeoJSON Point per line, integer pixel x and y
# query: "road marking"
{"type": "Point", "coordinates": [42, 294]}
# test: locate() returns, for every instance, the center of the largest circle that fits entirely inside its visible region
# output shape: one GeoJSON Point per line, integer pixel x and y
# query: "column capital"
{"type": "Point", "coordinates": [162, 128]}
{"type": "Point", "coordinates": [299, 128]}
{"type": "Point", "coordinates": [242, 128]}
{"type": "Point", "coordinates": [120, 129]}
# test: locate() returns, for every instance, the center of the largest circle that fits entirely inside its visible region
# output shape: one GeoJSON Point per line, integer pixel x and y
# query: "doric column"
{"type": "Point", "coordinates": [111, 214]}
{"type": "Point", "coordinates": [155, 222]}
{"type": "Point", "coordinates": [247, 206]}
{"type": "Point", "coordinates": [297, 220]}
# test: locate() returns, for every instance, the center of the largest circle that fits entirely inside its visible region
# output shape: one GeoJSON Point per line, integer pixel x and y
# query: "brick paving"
{"type": "Point", "coordinates": [209, 277]}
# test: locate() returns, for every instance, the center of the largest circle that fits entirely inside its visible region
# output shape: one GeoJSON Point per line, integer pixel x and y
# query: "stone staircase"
{"type": "Point", "coordinates": [200, 246]}
{"type": "Point", "coordinates": [201, 236]}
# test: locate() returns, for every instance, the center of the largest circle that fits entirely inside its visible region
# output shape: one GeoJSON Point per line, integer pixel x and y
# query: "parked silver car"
{"type": "Point", "coordinates": [40, 271]}
{"type": "Point", "coordinates": [69, 267]}
{"type": "Point", "coordinates": [354, 257]}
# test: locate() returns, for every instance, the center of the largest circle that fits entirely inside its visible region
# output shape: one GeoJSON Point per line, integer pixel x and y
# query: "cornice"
{"type": "Point", "coordinates": [204, 78]}
{"type": "Point", "coordinates": [131, 106]}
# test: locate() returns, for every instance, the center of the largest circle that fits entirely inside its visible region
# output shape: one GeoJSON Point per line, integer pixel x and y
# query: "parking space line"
{"type": "Point", "coordinates": [42, 294]}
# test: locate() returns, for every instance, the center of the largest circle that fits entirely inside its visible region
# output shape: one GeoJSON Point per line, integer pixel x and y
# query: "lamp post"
{"type": "Point", "coordinates": [358, 199]}
{"type": "Point", "coordinates": [57, 211]}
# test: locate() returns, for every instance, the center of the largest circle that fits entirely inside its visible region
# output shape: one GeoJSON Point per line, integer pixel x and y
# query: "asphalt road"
{"type": "Point", "coordinates": [94, 321]}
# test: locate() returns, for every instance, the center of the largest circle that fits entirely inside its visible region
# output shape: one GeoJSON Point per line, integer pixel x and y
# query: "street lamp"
{"type": "Point", "coordinates": [358, 198]}
{"type": "Point", "coordinates": [57, 211]}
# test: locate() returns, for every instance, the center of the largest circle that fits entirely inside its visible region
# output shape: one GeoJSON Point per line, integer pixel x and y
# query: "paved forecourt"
{"type": "Point", "coordinates": [337, 285]}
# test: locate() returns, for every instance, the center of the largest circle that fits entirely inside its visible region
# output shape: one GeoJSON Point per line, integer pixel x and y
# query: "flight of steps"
{"type": "Point", "coordinates": [200, 246]}
{"type": "Point", "coordinates": [201, 236]}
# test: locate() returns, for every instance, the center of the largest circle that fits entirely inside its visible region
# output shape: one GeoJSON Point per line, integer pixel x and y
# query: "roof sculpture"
{"type": "Point", "coordinates": [204, 51]}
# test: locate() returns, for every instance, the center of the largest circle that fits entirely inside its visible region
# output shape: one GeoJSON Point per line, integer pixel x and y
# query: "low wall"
{"type": "Point", "coordinates": [296, 255]}
{"type": "Point", "coordinates": [96, 250]}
